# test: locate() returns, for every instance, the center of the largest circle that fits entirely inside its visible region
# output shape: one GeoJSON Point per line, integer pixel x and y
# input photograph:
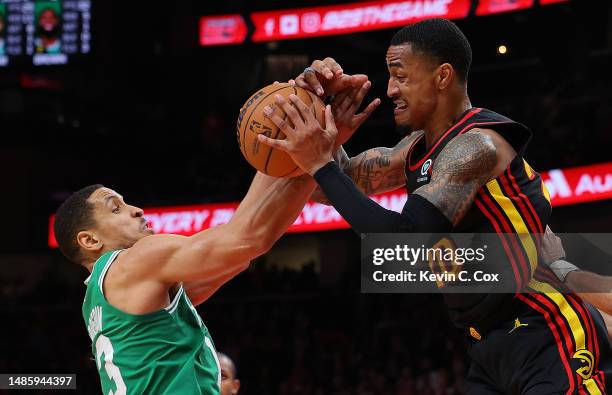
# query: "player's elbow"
{"type": "Point", "coordinates": [263, 242]}
{"type": "Point", "coordinates": [254, 243]}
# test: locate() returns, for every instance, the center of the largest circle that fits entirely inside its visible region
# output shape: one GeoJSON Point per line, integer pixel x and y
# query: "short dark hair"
{"type": "Point", "coordinates": [73, 216]}
{"type": "Point", "coordinates": [442, 40]}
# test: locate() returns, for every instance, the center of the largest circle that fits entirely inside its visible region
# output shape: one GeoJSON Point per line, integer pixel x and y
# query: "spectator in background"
{"type": "Point", "coordinates": [229, 381]}
{"type": "Point", "coordinates": [48, 40]}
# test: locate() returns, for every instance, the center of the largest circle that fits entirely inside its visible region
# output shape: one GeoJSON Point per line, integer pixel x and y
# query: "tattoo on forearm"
{"type": "Point", "coordinates": [462, 167]}
{"type": "Point", "coordinates": [370, 168]}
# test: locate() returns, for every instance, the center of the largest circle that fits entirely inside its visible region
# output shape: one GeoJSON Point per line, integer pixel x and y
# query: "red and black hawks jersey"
{"type": "Point", "coordinates": [516, 202]}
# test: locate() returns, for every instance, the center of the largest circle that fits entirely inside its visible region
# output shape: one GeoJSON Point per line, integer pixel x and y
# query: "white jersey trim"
{"type": "Point", "coordinates": [175, 302]}
{"type": "Point", "coordinates": [106, 267]}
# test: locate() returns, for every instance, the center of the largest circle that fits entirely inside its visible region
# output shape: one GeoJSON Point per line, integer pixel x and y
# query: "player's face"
{"type": "Point", "coordinates": [229, 384]}
{"type": "Point", "coordinates": [411, 87]}
{"type": "Point", "coordinates": [118, 225]}
{"type": "Point", "coordinates": [47, 20]}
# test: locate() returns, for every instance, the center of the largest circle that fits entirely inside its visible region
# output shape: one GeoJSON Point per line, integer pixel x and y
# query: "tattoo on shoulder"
{"type": "Point", "coordinates": [462, 167]}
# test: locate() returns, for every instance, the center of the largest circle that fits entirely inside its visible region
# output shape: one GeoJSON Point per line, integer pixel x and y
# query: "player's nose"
{"type": "Point", "coordinates": [392, 89]}
{"type": "Point", "coordinates": [137, 212]}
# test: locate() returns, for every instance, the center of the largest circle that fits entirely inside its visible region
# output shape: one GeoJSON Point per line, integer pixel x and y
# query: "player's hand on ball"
{"type": "Point", "coordinates": [344, 108]}
{"type": "Point", "coordinates": [326, 77]}
{"type": "Point", "coordinates": [309, 145]}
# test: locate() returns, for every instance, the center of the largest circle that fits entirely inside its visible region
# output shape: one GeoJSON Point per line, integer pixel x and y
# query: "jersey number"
{"type": "Point", "coordinates": [104, 346]}
{"type": "Point", "coordinates": [438, 265]}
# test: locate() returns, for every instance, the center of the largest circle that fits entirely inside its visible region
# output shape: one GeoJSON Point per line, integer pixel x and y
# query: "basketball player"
{"type": "Point", "coordinates": [464, 170]}
{"type": "Point", "coordinates": [147, 337]}
{"type": "Point", "coordinates": [230, 385]}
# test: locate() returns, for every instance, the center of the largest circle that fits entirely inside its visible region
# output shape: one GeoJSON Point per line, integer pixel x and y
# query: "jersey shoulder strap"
{"type": "Point", "coordinates": [515, 133]}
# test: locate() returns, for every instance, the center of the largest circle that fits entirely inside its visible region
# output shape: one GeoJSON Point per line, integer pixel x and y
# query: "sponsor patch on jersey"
{"type": "Point", "coordinates": [425, 167]}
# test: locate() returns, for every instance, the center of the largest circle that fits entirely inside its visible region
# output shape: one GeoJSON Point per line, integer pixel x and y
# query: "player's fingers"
{"type": "Point", "coordinates": [339, 98]}
{"type": "Point", "coordinates": [301, 82]}
{"type": "Point", "coordinates": [360, 94]}
{"type": "Point", "coordinates": [282, 145]}
{"type": "Point", "coordinates": [290, 110]}
{"type": "Point", "coordinates": [280, 123]}
{"type": "Point", "coordinates": [291, 82]}
{"type": "Point", "coordinates": [313, 83]}
{"type": "Point", "coordinates": [365, 114]}
{"type": "Point", "coordinates": [356, 80]}
{"type": "Point", "coordinates": [348, 100]}
{"type": "Point", "coordinates": [322, 68]}
{"type": "Point", "coordinates": [333, 65]}
{"type": "Point", "coordinates": [304, 110]}
{"type": "Point", "coordinates": [330, 124]}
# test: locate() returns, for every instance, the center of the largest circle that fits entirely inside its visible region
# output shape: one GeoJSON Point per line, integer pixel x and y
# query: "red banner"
{"type": "Point", "coordinates": [352, 17]}
{"type": "Point", "coordinates": [222, 30]}
{"type": "Point", "coordinates": [486, 7]}
{"type": "Point", "coordinates": [566, 186]}
{"type": "Point", "coordinates": [579, 184]}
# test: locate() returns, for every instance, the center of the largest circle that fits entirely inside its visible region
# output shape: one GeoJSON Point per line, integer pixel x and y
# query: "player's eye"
{"type": "Point", "coordinates": [116, 209]}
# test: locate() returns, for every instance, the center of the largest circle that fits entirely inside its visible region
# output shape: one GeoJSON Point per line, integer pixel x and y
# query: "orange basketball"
{"type": "Point", "coordinates": [251, 122]}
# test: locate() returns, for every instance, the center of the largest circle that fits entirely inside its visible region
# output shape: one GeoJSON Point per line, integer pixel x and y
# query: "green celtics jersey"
{"type": "Point", "coordinates": [165, 352]}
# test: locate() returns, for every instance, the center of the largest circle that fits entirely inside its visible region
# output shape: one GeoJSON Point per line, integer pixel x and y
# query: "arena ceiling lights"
{"type": "Point", "coordinates": [343, 18]}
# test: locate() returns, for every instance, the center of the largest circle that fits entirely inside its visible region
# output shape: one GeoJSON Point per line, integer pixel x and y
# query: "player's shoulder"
{"type": "Point", "coordinates": [407, 142]}
{"type": "Point", "coordinates": [475, 148]}
{"type": "Point", "coordinates": [492, 139]}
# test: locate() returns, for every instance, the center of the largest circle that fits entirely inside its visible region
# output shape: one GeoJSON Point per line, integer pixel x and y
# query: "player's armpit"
{"type": "Point", "coordinates": [199, 291]}
{"type": "Point", "coordinates": [463, 166]}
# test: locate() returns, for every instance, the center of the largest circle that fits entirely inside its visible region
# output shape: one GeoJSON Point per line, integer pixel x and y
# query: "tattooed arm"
{"type": "Point", "coordinates": [463, 166]}
{"type": "Point", "coordinates": [376, 170]}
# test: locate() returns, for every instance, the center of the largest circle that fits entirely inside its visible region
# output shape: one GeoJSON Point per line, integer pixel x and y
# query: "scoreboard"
{"type": "Point", "coordinates": [43, 32]}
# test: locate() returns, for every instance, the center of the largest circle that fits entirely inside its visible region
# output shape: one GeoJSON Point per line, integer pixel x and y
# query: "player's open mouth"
{"type": "Point", "coordinates": [400, 107]}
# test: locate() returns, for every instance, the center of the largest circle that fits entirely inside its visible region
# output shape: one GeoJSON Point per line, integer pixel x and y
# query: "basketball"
{"type": "Point", "coordinates": [251, 122]}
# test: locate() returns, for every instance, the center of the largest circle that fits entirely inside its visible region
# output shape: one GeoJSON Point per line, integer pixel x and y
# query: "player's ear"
{"type": "Point", "coordinates": [235, 386]}
{"type": "Point", "coordinates": [89, 241]}
{"type": "Point", "coordinates": [444, 76]}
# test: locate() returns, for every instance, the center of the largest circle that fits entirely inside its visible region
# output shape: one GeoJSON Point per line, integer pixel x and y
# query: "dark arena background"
{"type": "Point", "coordinates": [143, 98]}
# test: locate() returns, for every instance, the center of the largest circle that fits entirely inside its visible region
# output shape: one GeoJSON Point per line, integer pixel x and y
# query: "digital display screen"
{"type": "Point", "coordinates": [43, 32]}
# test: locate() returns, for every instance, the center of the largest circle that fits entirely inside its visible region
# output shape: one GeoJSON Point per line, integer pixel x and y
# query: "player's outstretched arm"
{"type": "Point", "coordinates": [214, 256]}
{"type": "Point", "coordinates": [593, 288]}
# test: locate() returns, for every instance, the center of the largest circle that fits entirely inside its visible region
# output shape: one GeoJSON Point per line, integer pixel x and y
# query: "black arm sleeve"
{"type": "Point", "coordinates": [366, 216]}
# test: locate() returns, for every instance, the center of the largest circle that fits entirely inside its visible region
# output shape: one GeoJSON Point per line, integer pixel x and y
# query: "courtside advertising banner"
{"type": "Point", "coordinates": [564, 186]}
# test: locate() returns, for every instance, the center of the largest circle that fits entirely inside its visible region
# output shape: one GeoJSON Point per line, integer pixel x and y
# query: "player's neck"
{"type": "Point", "coordinates": [445, 116]}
